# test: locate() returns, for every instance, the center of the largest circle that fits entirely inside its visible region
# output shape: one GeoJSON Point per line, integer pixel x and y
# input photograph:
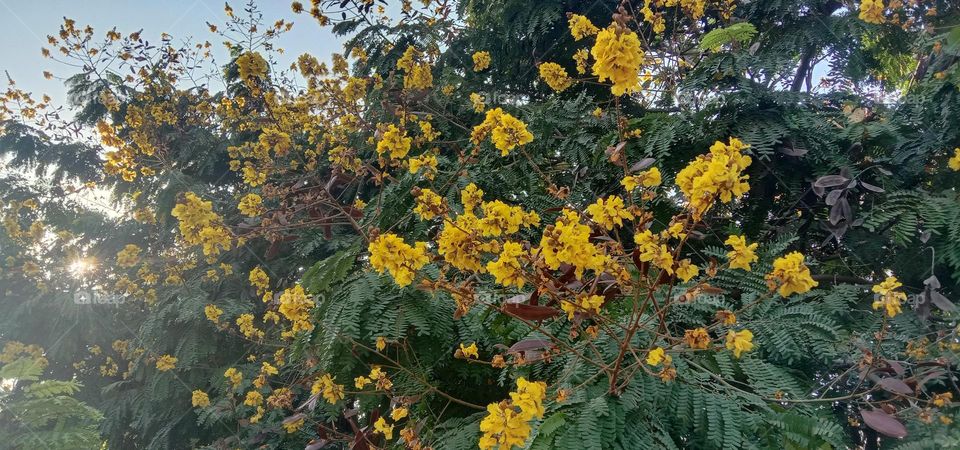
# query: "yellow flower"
{"type": "Point", "coordinates": [380, 426]}
{"type": "Point", "coordinates": [361, 382]}
{"type": "Point", "coordinates": [426, 162]}
{"type": "Point", "coordinates": [791, 275]}
{"type": "Point", "coordinates": [331, 391]}
{"type": "Point", "coordinates": [166, 362]}
{"type": "Point", "coordinates": [200, 399]}
{"type": "Point", "coordinates": [395, 141]}
{"type": "Point", "coordinates": [555, 76]}
{"type": "Point", "coordinates": [718, 174]}
{"type": "Point", "coordinates": [568, 241]}
{"type": "Point", "coordinates": [381, 343]}
{"type": "Point", "coordinates": [506, 132]}
{"type": "Point", "coordinates": [234, 376]}
{"type": "Point", "coordinates": [697, 338]}
{"type": "Point", "coordinates": [245, 323]}
{"type": "Point", "coordinates": [129, 256]}
{"type": "Point", "coordinates": [251, 65]}
{"type": "Point", "coordinates": [954, 161]}
{"type": "Point", "coordinates": [259, 279]}
{"type": "Point", "coordinates": [618, 58]}
{"type": "Point", "coordinates": [581, 27]}
{"type": "Point", "coordinates": [656, 356]}
{"type": "Point", "coordinates": [507, 269]}
{"type": "Point", "coordinates": [388, 252]}
{"type": "Point", "coordinates": [295, 306]}
{"type": "Point", "coordinates": [739, 342]}
{"type": "Point", "coordinates": [253, 398]}
{"type": "Point", "coordinates": [500, 218]}
{"type": "Point", "coordinates": [742, 254]}
{"type": "Point", "coordinates": [398, 413]}
{"type": "Point", "coordinates": [582, 58]}
{"type": "Point", "coordinates": [583, 304]}
{"type": "Point", "coordinates": [648, 178]}
{"type": "Point", "coordinates": [942, 399]}
{"type": "Point", "coordinates": [529, 398]}
{"type": "Point", "coordinates": [871, 11]}
{"type": "Point", "coordinates": [887, 297]}
{"type": "Point", "coordinates": [726, 317]}
{"type": "Point", "coordinates": [429, 205]}
{"type": "Point", "coordinates": [685, 270]}
{"type": "Point", "coordinates": [418, 74]}
{"type": "Point", "coordinates": [609, 213]}
{"type": "Point", "coordinates": [251, 205]}
{"type": "Point", "coordinates": [469, 351]}
{"type": "Point", "coordinates": [213, 313]}
{"type": "Point", "coordinates": [481, 61]}
{"type": "Point", "coordinates": [478, 102]}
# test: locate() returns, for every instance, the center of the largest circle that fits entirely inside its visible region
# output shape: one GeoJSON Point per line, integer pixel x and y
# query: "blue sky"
{"type": "Point", "coordinates": [24, 25]}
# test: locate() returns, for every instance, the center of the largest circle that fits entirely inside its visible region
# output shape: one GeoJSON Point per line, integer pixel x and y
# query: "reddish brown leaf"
{"type": "Point", "coordinates": [530, 312]}
{"type": "Point", "coordinates": [884, 423]}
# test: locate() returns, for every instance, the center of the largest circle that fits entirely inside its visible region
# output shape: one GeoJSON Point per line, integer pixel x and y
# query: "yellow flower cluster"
{"type": "Point", "coordinates": [888, 297]}
{"type": "Point", "coordinates": [697, 338]}
{"type": "Point", "coordinates": [742, 254]}
{"type": "Point", "coordinates": [651, 248]}
{"type": "Point", "coordinates": [129, 256]}
{"type": "Point", "coordinates": [381, 426]}
{"type": "Point", "coordinates": [478, 102]}
{"type": "Point", "coordinates": [500, 218]}
{"type": "Point", "coordinates": [618, 58]}
{"type": "Point", "coordinates": [507, 423]}
{"type": "Point", "coordinates": [790, 275]}
{"type": "Point", "coordinates": [609, 213]}
{"type": "Point", "coordinates": [213, 313]}
{"type": "Point", "coordinates": [395, 141]}
{"type": "Point", "coordinates": [507, 268]}
{"type": "Point", "coordinates": [251, 66]}
{"type": "Point", "coordinates": [199, 225]}
{"type": "Point", "coordinates": [467, 351]}
{"type": "Point", "coordinates": [555, 76]}
{"type": "Point", "coordinates": [388, 252]}
{"type": "Point", "coordinates": [245, 323]}
{"type": "Point", "coordinates": [739, 341]}
{"type": "Point", "coordinates": [954, 161]}
{"type": "Point", "coordinates": [583, 304]}
{"type": "Point", "coordinates": [200, 399]}
{"type": "Point", "coordinates": [234, 376]}
{"type": "Point", "coordinates": [648, 178]}
{"type": "Point", "coordinates": [657, 355]}
{"type": "Point", "coordinates": [581, 27]}
{"type": "Point", "coordinates": [295, 306]}
{"type": "Point", "coordinates": [166, 362]}
{"type": "Point", "coordinates": [251, 205]}
{"type": "Point", "coordinates": [326, 386]}
{"type": "Point", "coordinates": [481, 61]}
{"type": "Point", "coordinates": [417, 73]}
{"type": "Point", "coordinates": [259, 279]}
{"type": "Point", "coordinates": [568, 241]}
{"type": "Point", "coordinates": [426, 162]}
{"type": "Point", "coordinates": [871, 11]}
{"type": "Point", "coordinates": [718, 174]}
{"type": "Point", "coordinates": [429, 205]}
{"type": "Point", "coordinates": [506, 132]}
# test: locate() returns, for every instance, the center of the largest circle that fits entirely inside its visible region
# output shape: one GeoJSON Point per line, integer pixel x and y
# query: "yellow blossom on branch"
{"type": "Point", "coordinates": [697, 338]}
{"type": "Point", "coordinates": [609, 212]}
{"type": "Point", "coordinates": [581, 27]}
{"type": "Point", "coordinates": [200, 399]}
{"type": "Point", "coordinates": [395, 141]}
{"type": "Point", "coordinates": [742, 254]}
{"type": "Point", "coordinates": [715, 175]}
{"type": "Point", "coordinates": [388, 252]}
{"type": "Point", "coordinates": [331, 391]}
{"type": "Point", "coordinates": [790, 275]}
{"type": "Point", "coordinates": [555, 76]}
{"type": "Point", "coordinates": [295, 306]}
{"type": "Point", "coordinates": [888, 297]}
{"type": "Point", "coordinates": [166, 362]}
{"type": "Point", "coordinates": [506, 131]}
{"type": "Point", "coordinates": [954, 161]}
{"type": "Point", "coordinates": [871, 11]}
{"type": "Point", "coordinates": [507, 268]}
{"type": "Point", "coordinates": [481, 61]}
{"type": "Point", "coordinates": [739, 342]}
{"type": "Point", "coordinates": [468, 351]}
{"type": "Point", "coordinates": [649, 178]}
{"type": "Point", "coordinates": [213, 313]}
{"type": "Point", "coordinates": [251, 205]}
{"type": "Point", "coordinates": [618, 58]}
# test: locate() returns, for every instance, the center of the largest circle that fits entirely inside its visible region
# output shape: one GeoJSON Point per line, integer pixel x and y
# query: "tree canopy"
{"type": "Point", "coordinates": [491, 224]}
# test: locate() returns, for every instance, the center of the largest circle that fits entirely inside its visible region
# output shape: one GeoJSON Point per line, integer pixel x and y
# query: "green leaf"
{"type": "Point", "coordinates": [738, 32]}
